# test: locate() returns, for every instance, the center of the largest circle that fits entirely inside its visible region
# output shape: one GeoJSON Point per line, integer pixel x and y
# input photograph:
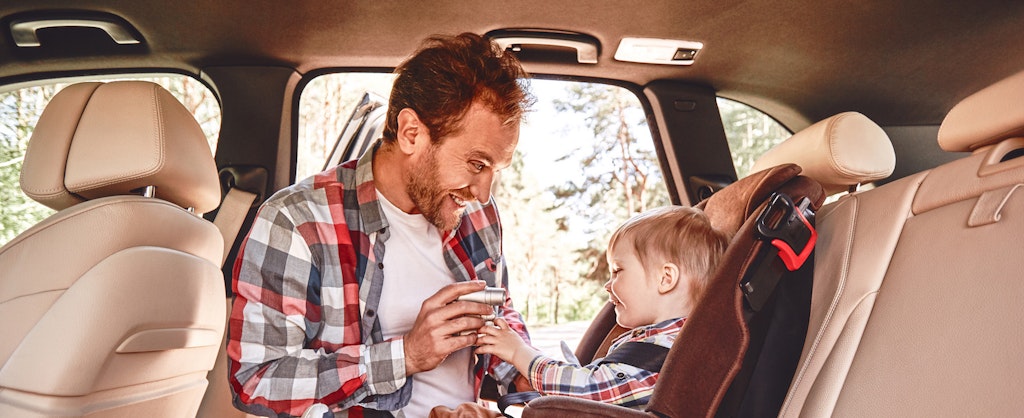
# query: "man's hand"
{"type": "Point", "coordinates": [438, 328]}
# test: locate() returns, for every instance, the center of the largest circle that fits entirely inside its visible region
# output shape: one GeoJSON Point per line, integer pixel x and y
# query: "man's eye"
{"type": "Point", "coordinates": [478, 166]}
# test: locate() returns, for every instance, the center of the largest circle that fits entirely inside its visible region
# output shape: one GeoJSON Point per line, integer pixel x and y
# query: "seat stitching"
{"type": "Point", "coordinates": [831, 310]}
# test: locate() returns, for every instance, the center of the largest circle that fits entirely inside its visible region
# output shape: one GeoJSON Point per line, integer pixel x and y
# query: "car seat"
{"type": "Point", "coordinates": [718, 342]}
{"type": "Point", "coordinates": [114, 305]}
{"type": "Point", "coordinates": [917, 310]}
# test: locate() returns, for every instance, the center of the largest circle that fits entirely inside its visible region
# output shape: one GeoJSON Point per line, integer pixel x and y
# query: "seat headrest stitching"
{"type": "Point", "coordinates": [142, 172]}
{"type": "Point", "coordinates": [32, 232]}
{"type": "Point", "coordinates": [834, 161]}
{"type": "Point", "coordinates": [63, 190]}
{"type": "Point", "coordinates": [997, 138]}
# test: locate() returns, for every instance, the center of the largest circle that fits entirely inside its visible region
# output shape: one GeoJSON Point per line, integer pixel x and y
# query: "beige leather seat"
{"type": "Point", "coordinates": [917, 306]}
{"type": "Point", "coordinates": [114, 306]}
{"type": "Point", "coordinates": [839, 152]}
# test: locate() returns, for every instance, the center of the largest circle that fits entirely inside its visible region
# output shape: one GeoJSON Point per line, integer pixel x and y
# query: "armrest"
{"type": "Point", "coordinates": [566, 407]}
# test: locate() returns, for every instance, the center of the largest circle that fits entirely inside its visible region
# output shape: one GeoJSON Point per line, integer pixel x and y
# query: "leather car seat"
{"type": "Point", "coordinates": [916, 310]}
{"type": "Point", "coordinates": [114, 305]}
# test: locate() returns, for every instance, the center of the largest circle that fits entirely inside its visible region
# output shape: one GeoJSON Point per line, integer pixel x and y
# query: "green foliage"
{"type": "Point", "coordinates": [750, 132]}
{"type": "Point", "coordinates": [621, 174]}
{"type": "Point", "coordinates": [19, 111]}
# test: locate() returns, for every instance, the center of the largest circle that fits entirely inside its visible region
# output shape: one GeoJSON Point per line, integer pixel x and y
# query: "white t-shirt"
{"type": "Point", "coordinates": [414, 269]}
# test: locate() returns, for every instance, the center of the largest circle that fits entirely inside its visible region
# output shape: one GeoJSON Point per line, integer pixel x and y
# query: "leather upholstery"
{"type": "Point", "coordinates": [985, 117]}
{"type": "Point", "coordinates": [108, 139]}
{"type": "Point", "coordinates": [113, 306]}
{"type": "Point", "coordinates": [841, 151]}
{"type": "Point", "coordinates": [916, 307]}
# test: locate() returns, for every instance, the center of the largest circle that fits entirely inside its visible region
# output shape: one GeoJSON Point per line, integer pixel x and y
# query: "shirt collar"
{"type": "Point", "coordinates": [663, 327]}
{"type": "Point", "coordinates": [366, 193]}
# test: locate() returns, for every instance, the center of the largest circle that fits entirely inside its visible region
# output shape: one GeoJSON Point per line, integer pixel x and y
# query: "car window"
{"type": "Point", "coordinates": [326, 104]}
{"type": "Point", "coordinates": [20, 107]}
{"type": "Point", "coordinates": [750, 132]}
{"type": "Point", "coordinates": [585, 163]}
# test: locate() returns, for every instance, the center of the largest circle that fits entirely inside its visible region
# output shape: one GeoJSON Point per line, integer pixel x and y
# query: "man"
{"type": "Point", "coordinates": [346, 285]}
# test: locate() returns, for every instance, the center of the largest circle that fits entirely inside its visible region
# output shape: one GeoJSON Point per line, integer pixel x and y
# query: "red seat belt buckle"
{"type": "Point", "coordinates": [778, 225]}
{"type": "Point", "coordinates": [790, 258]}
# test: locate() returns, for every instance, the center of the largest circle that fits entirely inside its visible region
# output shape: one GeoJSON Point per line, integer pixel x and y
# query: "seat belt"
{"type": "Point", "coordinates": [647, 356]}
{"type": "Point", "coordinates": [231, 215]}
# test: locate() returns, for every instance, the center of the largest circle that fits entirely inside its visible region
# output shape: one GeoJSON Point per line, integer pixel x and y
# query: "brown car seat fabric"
{"type": "Point", "coordinates": [712, 344]}
{"type": "Point", "coordinates": [701, 373]}
{"type": "Point", "coordinates": [113, 306]}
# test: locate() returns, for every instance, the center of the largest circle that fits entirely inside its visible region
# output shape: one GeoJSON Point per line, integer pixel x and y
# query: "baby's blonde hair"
{"type": "Point", "coordinates": [677, 234]}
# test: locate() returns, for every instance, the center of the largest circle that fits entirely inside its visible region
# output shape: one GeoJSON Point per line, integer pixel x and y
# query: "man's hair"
{"type": "Point", "coordinates": [441, 80]}
{"type": "Point", "coordinates": [678, 234]}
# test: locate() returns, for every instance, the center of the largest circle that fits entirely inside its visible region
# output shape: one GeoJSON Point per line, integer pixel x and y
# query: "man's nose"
{"type": "Point", "coordinates": [481, 186]}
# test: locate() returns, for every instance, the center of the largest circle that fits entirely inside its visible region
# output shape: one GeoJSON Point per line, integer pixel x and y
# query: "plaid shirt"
{"type": "Point", "coordinates": [307, 282]}
{"type": "Point", "coordinates": [615, 383]}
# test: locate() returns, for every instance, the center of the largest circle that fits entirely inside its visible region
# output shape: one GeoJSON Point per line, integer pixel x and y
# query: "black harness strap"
{"type": "Point", "coordinates": [647, 356]}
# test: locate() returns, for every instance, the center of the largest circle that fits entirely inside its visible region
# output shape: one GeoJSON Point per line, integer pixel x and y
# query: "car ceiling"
{"type": "Point", "coordinates": [899, 62]}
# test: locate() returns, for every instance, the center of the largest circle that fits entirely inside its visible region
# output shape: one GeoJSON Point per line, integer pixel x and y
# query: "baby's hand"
{"type": "Point", "coordinates": [500, 340]}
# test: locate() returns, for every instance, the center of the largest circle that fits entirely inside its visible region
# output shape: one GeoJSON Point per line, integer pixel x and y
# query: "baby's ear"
{"type": "Point", "coordinates": [669, 277]}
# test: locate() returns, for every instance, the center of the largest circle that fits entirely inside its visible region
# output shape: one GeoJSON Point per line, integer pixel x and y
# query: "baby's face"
{"type": "Point", "coordinates": [630, 288]}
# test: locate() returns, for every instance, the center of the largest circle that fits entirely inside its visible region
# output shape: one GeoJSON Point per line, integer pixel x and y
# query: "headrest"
{"type": "Point", "coordinates": [105, 139]}
{"type": "Point", "coordinates": [838, 152]}
{"type": "Point", "coordinates": [986, 117]}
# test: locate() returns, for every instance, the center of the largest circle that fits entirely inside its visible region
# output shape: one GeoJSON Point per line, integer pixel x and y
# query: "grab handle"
{"type": "Point", "coordinates": [25, 32]}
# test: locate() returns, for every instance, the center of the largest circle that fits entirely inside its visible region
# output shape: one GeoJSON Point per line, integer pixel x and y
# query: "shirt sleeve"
{"type": "Point", "coordinates": [275, 362]}
{"type": "Point", "coordinates": [615, 383]}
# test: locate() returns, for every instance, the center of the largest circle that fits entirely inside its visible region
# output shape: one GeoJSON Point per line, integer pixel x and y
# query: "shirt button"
{"type": "Point", "coordinates": [620, 375]}
{"type": "Point", "coordinates": [380, 266]}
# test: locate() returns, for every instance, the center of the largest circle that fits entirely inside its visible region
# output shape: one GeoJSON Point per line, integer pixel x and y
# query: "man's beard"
{"type": "Point", "coordinates": [424, 190]}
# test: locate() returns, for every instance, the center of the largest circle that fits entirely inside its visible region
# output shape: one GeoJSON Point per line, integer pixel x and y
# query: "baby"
{"type": "Point", "coordinates": [660, 262]}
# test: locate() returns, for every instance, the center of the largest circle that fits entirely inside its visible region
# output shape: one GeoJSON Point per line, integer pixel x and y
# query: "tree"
{"type": "Point", "coordinates": [19, 111]}
{"type": "Point", "coordinates": [621, 177]}
{"type": "Point", "coordinates": [750, 133]}
{"type": "Point", "coordinates": [531, 248]}
{"type": "Point", "coordinates": [326, 104]}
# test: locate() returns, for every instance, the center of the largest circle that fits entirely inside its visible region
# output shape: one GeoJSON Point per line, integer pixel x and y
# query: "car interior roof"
{"type": "Point", "coordinates": [899, 63]}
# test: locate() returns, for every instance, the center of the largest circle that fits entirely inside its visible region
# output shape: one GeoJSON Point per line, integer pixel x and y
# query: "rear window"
{"type": "Point", "coordinates": [584, 164]}
{"type": "Point", "coordinates": [750, 132]}
{"type": "Point", "coordinates": [20, 108]}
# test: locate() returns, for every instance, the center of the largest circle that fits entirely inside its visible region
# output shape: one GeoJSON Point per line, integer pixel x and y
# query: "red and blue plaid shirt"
{"type": "Point", "coordinates": [304, 328]}
{"type": "Point", "coordinates": [616, 383]}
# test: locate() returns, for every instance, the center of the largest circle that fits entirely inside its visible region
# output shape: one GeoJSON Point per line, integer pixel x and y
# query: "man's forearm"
{"type": "Point", "coordinates": [293, 383]}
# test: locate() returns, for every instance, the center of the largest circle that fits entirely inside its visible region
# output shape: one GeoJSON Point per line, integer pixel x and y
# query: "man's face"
{"type": "Point", "coordinates": [461, 168]}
